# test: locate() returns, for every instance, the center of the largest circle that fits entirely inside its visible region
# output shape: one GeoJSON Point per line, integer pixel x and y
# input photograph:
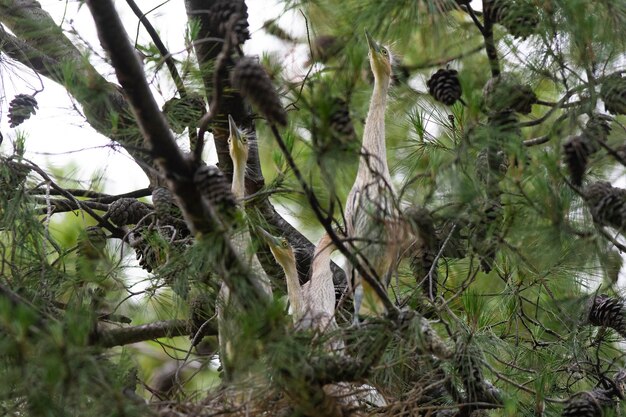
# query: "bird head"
{"type": "Point", "coordinates": [280, 247]}
{"type": "Point", "coordinates": [237, 143]}
{"type": "Point", "coordinates": [380, 58]}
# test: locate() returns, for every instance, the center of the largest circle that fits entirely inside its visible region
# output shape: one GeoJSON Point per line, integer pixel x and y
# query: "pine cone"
{"type": "Point", "coordinates": [578, 149]}
{"type": "Point", "coordinates": [588, 404]}
{"type": "Point", "coordinates": [340, 121]}
{"type": "Point", "coordinates": [506, 93]}
{"type": "Point", "coordinates": [609, 312]}
{"type": "Point", "coordinates": [145, 254]}
{"type": "Point", "coordinates": [181, 113]}
{"type": "Point", "coordinates": [213, 185]}
{"type": "Point", "coordinates": [249, 77]}
{"type": "Point", "coordinates": [127, 211]}
{"type": "Point", "coordinates": [598, 127]}
{"type": "Point", "coordinates": [444, 86]}
{"type": "Point", "coordinates": [519, 17]}
{"type": "Point", "coordinates": [504, 121]}
{"type": "Point", "coordinates": [613, 93]}
{"type": "Point", "coordinates": [576, 152]}
{"type": "Point", "coordinates": [164, 205]}
{"type": "Point", "coordinates": [468, 360]}
{"type": "Point", "coordinates": [21, 108]}
{"type": "Point", "coordinates": [606, 203]}
{"type": "Point", "coordinates": [220, 13]}
{"type": "Point", "coordinates": [12, 175]}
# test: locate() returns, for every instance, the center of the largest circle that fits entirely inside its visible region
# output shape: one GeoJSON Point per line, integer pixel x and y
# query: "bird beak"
{"type": "Point", "coordinates": [271, 240]}
{"type": "Point", "coordinates": [374, 47]}
{"type": "Point", "coordinates": [234, 130]}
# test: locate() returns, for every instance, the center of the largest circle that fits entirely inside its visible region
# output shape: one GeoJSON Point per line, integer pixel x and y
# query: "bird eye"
{"type": "Point", "coordinates": [284, 244]}
{"type": "Point", "coordinates": [384, 51]}
{"type": "Point", "coordinates": [230, 141]}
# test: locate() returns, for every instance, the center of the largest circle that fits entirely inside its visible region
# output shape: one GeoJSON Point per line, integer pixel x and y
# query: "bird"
{"type": "Point", "coordinates": [372, 220]}
{"type": "Point", "coordinates": [238, 146]}
{"type": "Point", "coordinates": [319, 292]}
{"type": "Point", "coordinates": [312, 304]}
{"type": "Point", "coordinates": [313, 308]}
{"type": "Point", "coordinates": [284, 255]}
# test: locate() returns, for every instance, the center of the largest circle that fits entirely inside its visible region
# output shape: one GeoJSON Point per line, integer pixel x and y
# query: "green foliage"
{"type": "Point", "coordinates": [518, 251]}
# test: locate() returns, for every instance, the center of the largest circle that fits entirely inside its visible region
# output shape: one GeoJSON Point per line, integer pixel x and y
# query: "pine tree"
{"type": "Point", "coordinates": [503, 135]}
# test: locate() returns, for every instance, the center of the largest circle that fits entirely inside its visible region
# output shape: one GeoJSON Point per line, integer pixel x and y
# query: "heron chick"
{"type": "Point", "coordinates": [238, 146]}
{"type": "Point", "coordinates": [283, 253]}
{"type": "Point", "coordinates": [372, 219]}
{"type": "Point", "coordinates": [319, 292]}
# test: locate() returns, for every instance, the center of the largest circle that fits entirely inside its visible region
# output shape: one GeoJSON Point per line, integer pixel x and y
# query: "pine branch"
{"type": "Point", "coordinates": [178, 170]}
{"type": "Point", "coordinates": [127, 335]}
{"type": "Point", "coordinates": [44, 48]}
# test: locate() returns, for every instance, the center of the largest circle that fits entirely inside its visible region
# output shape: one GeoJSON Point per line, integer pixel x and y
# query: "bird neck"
{"type": "Point", "coordinates": [323, 250]}
{"type": "Point", "coordinates": [373, 161]}
{"type": "Point", "coordinates": [239, 180]}
{"type": "Point", "coordinates": [294, 291]}
{"type": "Point", "coordinates": [320, 267]}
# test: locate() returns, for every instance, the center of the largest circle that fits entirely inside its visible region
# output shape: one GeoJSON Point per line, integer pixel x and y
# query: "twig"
{"type": "Point", "coordinates": [105, 223]}
{"type": "Point", "coordinates": [171, 66]}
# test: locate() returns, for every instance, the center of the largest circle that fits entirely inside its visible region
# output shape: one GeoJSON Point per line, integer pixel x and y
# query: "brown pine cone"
{"type": "Point", "coordinates": [613, 93]}
{"type": "Point", "coordinates": [164, 204]}
{"type": "Point", "coordinates": [588, 404]}
{"type": "Point", "coordinates": [213, 185]}
{"type": "Point", "coordinates": [444, 86]}
{"type": "Point", "coordinates": [606, 203]}
{"type": "Point", "coordinates": [608, 311]}
{"type": "Point", "coordinates": [21, 108]}
{"type": "Point", "coordinates": [519, 17]}
{"type": "Point", "coordinates": [577, 150]}
{"type": "Point", "coordinates": [219, 14]}
{"type": "Point", "coordinates": [506, 93]}
{"type": "Point", "coordinates": [126, 211]}
{"type": "Point", "coordinates": [249, 77]}
{"type": "Point", "coordinates": [340, 120]}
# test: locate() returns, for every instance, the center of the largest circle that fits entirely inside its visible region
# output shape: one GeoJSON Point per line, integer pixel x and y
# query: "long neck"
{"type": "Point", "coordinates": [239, 179]}
{"type": "Point", "coordinates": [294, 291]}
{"type": "Point", "coordinates": [373, 162]}
{"type": "Point", "coordinates": [321, 256]}
{"type": "Point", "coordinates": [321, 293]}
